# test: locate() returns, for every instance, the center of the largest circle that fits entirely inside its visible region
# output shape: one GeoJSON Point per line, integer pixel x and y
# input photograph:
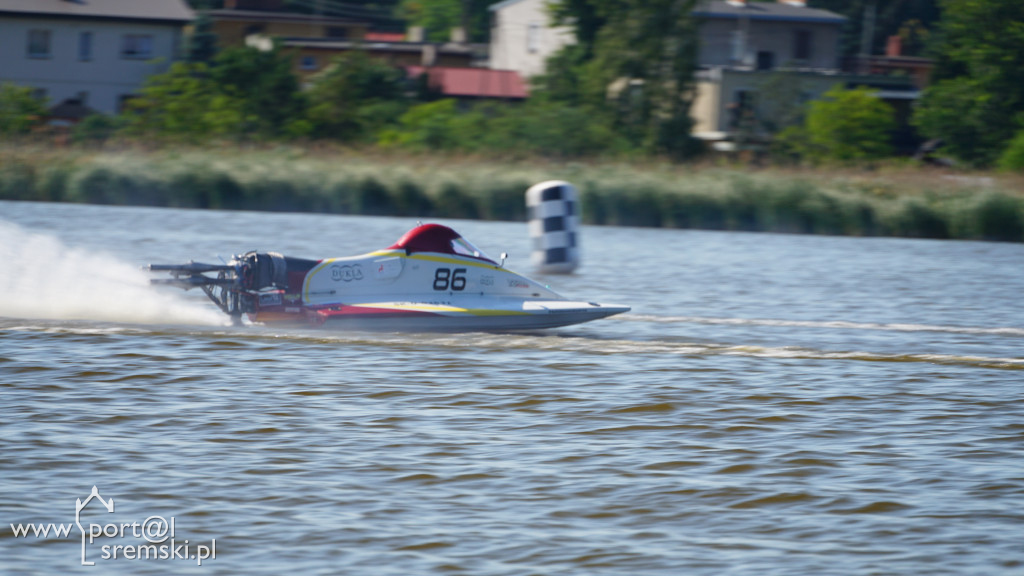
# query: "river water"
{"type": "Point", "coordinates": [774, 404]}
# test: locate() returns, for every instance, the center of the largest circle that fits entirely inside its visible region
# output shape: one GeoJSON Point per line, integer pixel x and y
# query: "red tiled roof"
{"type": "Point", "coordinates": [473, 82]}
{"type": "Point", "coordinates": [384, 37]}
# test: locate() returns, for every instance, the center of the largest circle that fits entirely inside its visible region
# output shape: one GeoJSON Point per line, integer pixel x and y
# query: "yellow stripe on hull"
{"type": "Point", "coordinates": [440, 308]}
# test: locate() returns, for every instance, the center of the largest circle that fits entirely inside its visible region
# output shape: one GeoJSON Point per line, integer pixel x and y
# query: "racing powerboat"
{"type": "Point", "coordinates": [432, 279]}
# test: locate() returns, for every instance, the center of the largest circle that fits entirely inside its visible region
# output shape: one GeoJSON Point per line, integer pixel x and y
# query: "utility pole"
{"type": "Point", "coordinates": [867, 36]}
{"type": "Point", "coordinates": [317, 15]}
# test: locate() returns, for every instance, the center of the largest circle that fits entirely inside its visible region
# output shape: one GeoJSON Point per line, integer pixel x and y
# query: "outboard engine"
{"type": "Point", "coordinates": [259, 271]}
{"type": "Point", "coordinates": [244, 285]}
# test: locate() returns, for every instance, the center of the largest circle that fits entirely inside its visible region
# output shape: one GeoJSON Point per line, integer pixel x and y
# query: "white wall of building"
{"type": "Point", "coordinates": [522, 38]}
{"type": "Point", "coordinates": [104, 78]}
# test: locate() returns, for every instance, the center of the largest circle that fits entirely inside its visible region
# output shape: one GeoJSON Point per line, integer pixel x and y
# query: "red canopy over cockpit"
{"type": "Point", "coordinates": [437, 238]}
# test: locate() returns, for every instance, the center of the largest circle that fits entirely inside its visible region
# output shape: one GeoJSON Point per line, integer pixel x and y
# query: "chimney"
{"type": "Point", "coordinates": [894, 47]}
{"type": "Point", "coordinates": [414, 34]}
{"type": "Point", "coordinates": [428, 57]}
{"type": "Point", "coordinates": [458, 35]}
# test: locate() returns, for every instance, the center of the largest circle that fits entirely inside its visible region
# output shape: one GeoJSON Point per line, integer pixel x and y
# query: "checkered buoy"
{"type": "Point", "coordinates": [553, 211]}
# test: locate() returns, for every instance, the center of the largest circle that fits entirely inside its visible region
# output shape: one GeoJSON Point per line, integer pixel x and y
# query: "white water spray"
{"type": "Point", "coordinates": [40, 277]}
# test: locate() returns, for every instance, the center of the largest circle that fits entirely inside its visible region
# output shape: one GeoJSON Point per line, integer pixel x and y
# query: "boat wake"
{"type": "Point", "coordinates": [43, 278]}
{"type": "Point", "coordinates": [998, 331]}
{"type": "Point", "coordinates": [220, 338]}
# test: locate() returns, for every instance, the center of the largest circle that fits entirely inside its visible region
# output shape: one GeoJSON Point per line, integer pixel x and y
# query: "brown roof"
{"type": "Point", "coordinates": [158, 10]}
{"type": "Point", "coordinates": [266, 16]}
{"type": "Point", "coordinates": [473, 82]}
{"type": "Point", "coordinates": [384, 37]}
{"type": "Point", "coordinates": [778, 11]}
{"type": "Point", "coordinates": [332, 44]}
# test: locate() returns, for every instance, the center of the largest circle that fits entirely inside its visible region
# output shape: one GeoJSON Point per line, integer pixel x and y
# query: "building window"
{"type": "Point", "coordinates": [308, 63]}
{"type": "Point", "coordinates": [765, 60]}
{"type": "Point", "coordinates": [137, 46]}
{"type": "Point", "coordinates": [337, 32]}
{"type": "Point", "coordinates": [741, 110]}
{"type": "Point", "coordinates": [533, 37]}
{"type": "Point", "coordinates": [802, 40]}
{"type": "Point", "coordinates": [38, 43]}
{"type": "Point", "coordinates": [85, 46]}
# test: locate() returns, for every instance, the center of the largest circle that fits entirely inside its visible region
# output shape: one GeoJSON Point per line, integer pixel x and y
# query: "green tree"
{"type": "Point", "coordinates": [95, 128]}
{"type": "Point", "coordinates": [182, 103]}
{"type": "Point", "coordinates": [635, 60]}
{"type": "Point", "coordinates": [649, 50]}
{"type": "Point", "coordinates": [429, 126]}
{"type": "Point", "coordinates": [438, 17]}
{"type": "Point", "coordinates": [1013, 157]}
{"type": "Point", "coordinates": [586, 17]}
{"type": "Point", "coordinates": [976, 103]}
{"type": "Point", "coordinates": [569, 73]}
{"type": "Point", "coordinates": [563, 78]}
{"type": "Point", "coordinates": [849, 125]}
{"type": "Point", "coordinates": [262, 84]}
{"type": "Point", "coordinates": [202, 42]}
{"type": "Point", "coordinates": [781, 97]}
{"type": "Point", "coordinates": [20, 111]}
{"type": "Point", "coordinates": [355, 97]}
{"type": "Point", "coordinates": [905, 18]}
{"type": "Point", "coordinates": [244, 92]}
{"type": "Point", "coordinates": [540, 127]}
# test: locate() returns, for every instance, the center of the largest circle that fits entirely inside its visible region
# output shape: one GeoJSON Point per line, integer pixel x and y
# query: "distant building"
{"type": "Point", "coordinates": [469, 84]}
{"type": "Point", "coordinates": [522, 37]}
{"type": "Point", "coordinates": [896, 63]}
{"type": "Point", "coordinates": [94, 53]}
{"type": "Point", "coordinates": [758, 57]}
{"type": "Point", "coordinates": [744, 45]}
{"type": "Point", "coordinates": [313, 40]}
{"type": "Point", "coordinates": [311, 55]}
{"type": "Point", "coordinates": [745, 48]}
{"type": "Point", "coordinates": [240, 19]}
{"type": "Point", "coordinates": [768, 35]}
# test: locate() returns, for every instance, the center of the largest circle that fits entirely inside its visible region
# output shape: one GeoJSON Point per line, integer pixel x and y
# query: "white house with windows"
{"type": "Point", "coordinates": [751, 56]}
{"type": "Point", "coordinates": [95, 53]}
{"type": "Point", "coordinates": [522, 37]}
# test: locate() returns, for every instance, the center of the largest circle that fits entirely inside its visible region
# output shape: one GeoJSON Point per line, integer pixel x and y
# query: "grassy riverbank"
{"type": "Point", "coordinates": [890, 201]}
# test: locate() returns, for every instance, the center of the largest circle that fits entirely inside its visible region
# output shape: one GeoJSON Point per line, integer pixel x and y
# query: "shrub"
{"type": "Point", "coordinates": [410, 200]}
{"type": "Point", "coordinates": [17, 181]}
{"type": "Point", "coordinates": [999, 217]}
{"type": "Point", "coordinates": [372, 198]}
{"type": "Point", "coordinates": [20, 111]}
{"type": "Point", "coordinates": [453, 202]}
{"type": "Point", "coordinates": [95, 128]}
{"type": "Point", "coordinates": [913, 218]}
{"type": "Point", "coordinates": [850, 125]}
{"type": "Point", "coordinates": [1013, 156]}
{"type": "Point", "coordinates": [693, 210]}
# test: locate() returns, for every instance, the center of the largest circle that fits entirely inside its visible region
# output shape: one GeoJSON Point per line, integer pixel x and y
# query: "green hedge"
{"type": "Point", "coordinates": [438, 187]}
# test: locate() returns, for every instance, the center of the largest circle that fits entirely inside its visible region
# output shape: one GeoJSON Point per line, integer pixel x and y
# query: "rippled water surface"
{"type": "Point", "coordinates": [773, 405]}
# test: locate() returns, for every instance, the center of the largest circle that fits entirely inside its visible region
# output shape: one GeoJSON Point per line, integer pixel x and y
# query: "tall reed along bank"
{"type": "Point", "coordinates": [897, 201]}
